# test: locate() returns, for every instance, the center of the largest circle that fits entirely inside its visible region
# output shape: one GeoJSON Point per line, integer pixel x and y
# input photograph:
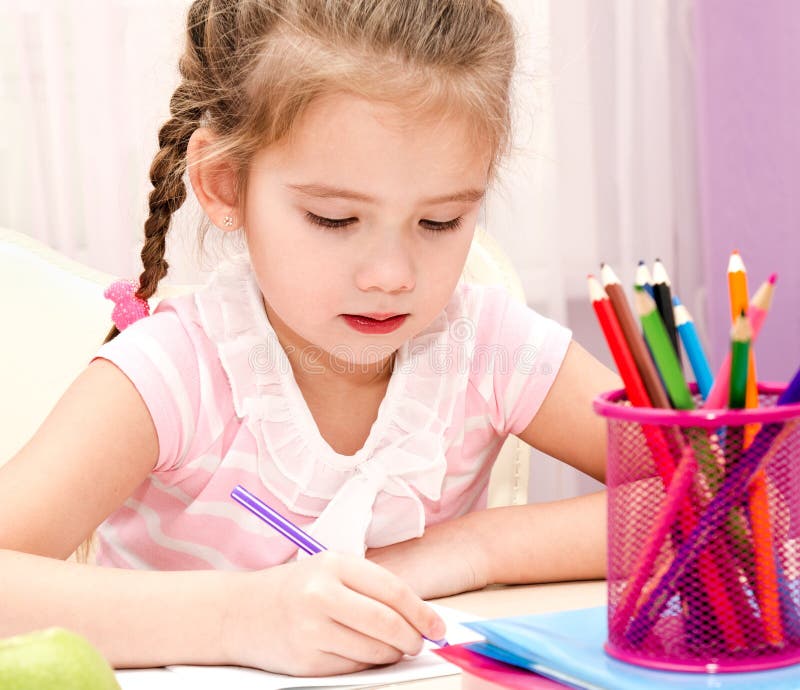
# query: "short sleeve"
{"type": "Point", "coordinates": [158, 356]}
{"type": "Point", "coordinates": [518, 353]}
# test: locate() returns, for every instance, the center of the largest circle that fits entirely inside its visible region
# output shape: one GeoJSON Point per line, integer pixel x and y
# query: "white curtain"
{"type": "Point", "coordinates": [603, 167]}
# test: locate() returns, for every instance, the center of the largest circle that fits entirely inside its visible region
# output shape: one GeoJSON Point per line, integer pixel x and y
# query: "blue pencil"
{"type": "Point", "coordinates": [287, 528]}
{"type": "Point", "coordinates": [694, 349]}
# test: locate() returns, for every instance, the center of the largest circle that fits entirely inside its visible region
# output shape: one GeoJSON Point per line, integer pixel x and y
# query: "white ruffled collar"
{"type": "Point", "coordinates": [403, 457]}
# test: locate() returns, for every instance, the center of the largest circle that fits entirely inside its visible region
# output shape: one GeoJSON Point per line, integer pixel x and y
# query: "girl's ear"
{"type": "Point", "coordinates": [213, 181]}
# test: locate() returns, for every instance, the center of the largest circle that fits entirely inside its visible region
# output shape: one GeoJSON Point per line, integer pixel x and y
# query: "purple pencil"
{"type": "Point", "coordinates": [287, 528]}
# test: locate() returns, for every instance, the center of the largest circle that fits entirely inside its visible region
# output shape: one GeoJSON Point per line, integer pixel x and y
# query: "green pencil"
{"type": "Point", "coordinates": [741, 335]}
{"type": "Point", "coordinates": [663, 352]}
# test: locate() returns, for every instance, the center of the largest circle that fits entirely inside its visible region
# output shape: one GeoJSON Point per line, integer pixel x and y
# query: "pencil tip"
{"type": "Point", "coordinates": [602, 264]}
{"type": "Point", "coordinates": [735, 251]}
{"type": "Point", "coordinates": [641, 262]}
{"type": "Point", "coordinates": [773, 279]}
{"type": "Point", "coordinates": [676, 302]}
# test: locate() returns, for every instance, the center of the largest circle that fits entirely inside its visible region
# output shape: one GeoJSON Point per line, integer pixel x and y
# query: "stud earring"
{"type": "Point", "coordinates": [228, 221]}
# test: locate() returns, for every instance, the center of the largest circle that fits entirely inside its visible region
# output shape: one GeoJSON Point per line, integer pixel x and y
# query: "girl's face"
{"type": "Point", "coordinates": [361, 212]}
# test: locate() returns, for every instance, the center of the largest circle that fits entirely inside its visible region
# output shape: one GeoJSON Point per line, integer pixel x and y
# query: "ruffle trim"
{"type": "Point", "coordinates": [403, 457]}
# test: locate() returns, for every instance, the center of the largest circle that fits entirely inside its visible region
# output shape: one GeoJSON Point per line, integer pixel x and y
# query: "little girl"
{"type": "Point", "coordinates": [335, 366]}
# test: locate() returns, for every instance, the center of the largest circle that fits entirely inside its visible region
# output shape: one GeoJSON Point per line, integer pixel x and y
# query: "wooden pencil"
{"type": "Point", "coordinates": [662, 293]}
{"type": "Point", "coordinates": [766, 577]}
{"type": "Point", "coordinates": [615, 339]}
{"type": "Point", "coordinates": [633, 336]}
{"type": "Point", "coordinates": [664, 354]}
{"type": "Point", "coordinates": [694, 348]}
{"type": "Point", "coordinates": [739, 301]}
{"type": "Point", "coordinates": [741, 333]}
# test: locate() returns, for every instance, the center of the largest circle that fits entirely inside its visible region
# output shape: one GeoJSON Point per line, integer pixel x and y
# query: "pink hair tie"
{"type": "Point", "coordinates": [128, 308]}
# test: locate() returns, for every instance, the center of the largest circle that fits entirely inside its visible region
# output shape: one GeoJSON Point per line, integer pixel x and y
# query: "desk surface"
{"type": "Point", "coordinates": [495, 602]}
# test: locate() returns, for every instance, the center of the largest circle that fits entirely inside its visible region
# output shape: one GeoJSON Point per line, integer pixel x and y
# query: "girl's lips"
{"type": "Point", "coordinates": [371, 324]}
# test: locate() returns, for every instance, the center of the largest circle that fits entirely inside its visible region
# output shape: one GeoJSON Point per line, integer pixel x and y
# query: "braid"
{"type": "Point", "coordinates": [169, 164]}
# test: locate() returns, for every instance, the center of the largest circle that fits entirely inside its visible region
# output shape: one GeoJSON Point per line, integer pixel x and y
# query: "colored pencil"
{"type": "Point", "coordinates": [741, 333]}
{"type": "Point", "coordinates": [278, 522]}
{"type": "Point", "coordinates": [620, 351]}
{"type": "Point", "coordinates": [694, 349]}
{"type": "Point", "coordinates": [287, 528]}
{"type": "Point", "coordinates": [655, 333]}
{"type": "Point", "coordinates": [642, 278]}
{"type": "Point", "coordinates": [739, 301]}
{"type": "Point", "coordinates": [633, 336]}
{"type": "Point", "coordinates": [759, 308]}
{"type": "Point", "coordinates": [758, 501]}
{"type": "Point", "coordinates": [662, 293]}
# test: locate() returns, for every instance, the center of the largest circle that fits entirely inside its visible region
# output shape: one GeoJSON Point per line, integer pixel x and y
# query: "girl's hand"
{"type": "Point", "coordinates": [324, 615]}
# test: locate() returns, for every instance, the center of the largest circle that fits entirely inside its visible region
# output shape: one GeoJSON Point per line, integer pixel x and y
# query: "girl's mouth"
{"type": "Point", "coordinates": [369, 324]}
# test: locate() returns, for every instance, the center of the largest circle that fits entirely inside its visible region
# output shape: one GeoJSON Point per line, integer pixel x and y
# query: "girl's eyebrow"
{"type": "Point", "coordinates": [327, 192]}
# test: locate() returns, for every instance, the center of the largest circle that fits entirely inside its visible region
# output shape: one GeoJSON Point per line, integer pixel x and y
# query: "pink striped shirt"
{"type": "Point", "coordinates": [227, 410]}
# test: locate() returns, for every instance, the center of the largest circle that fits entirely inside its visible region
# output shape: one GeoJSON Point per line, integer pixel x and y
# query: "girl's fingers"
{"type": "Point", "coordinates": [373, 621]}
{"type": "Point", "coordinates": [379, 584]}
{"type": "Point", "coordinates": [355, 646]}
{"type": "Point", "coordinates": [330, 664]}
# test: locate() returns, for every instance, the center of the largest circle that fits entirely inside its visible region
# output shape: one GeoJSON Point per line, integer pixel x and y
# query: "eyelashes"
{"type": "Point", "coordinates": [340, 223]}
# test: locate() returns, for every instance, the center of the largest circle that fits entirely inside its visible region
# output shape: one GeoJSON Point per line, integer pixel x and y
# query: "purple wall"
{"type": "Point", "coordinates": [748, 107]}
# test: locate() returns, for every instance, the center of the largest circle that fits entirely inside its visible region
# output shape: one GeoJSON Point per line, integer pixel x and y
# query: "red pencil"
{"type": "Point", "coordinates": [634, 386]}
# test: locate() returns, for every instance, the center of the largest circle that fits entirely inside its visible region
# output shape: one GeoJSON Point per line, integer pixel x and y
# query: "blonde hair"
{"type": "Point", "coordinates": [251, 67]}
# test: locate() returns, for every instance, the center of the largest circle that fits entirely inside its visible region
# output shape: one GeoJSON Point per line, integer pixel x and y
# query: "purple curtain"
{"type": "Point", "coordinates": [748, 121]}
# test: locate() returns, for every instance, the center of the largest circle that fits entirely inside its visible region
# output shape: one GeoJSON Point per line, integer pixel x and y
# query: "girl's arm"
{"type": "Point", "coordinates": [327, 614]}
{"type": "Point", "coordinates": [563, 540]}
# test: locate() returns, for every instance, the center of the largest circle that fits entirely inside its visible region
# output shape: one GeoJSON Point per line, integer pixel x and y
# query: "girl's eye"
{"type": "Point", "coordinates": [332, 223]}
{"type": "Point", "coordinates": [442, 226]}
{"type": "Point", "coordinates": [337, 223]}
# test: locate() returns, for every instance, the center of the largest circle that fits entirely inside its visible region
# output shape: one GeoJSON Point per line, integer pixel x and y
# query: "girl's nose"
{"type": "Point", "coordinates": [387, 265]}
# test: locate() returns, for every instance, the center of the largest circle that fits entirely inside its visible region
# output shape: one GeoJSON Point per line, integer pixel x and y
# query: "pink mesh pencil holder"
{"type": "Point", "coordinates": [703, 535]}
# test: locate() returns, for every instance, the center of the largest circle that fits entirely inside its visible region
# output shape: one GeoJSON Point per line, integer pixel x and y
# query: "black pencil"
{"type": "Point", "coordinates": [662, 294]}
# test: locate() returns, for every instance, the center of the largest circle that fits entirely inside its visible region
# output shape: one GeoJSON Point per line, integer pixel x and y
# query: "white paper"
{"type": "Point", "coordinates": [425, 665]}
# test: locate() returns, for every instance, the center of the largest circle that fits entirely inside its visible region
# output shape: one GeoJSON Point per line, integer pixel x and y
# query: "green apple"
{"type": "Point", "coordinates": [53, 659]}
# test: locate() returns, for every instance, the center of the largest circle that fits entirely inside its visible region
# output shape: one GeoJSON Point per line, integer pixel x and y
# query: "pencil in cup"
{"type": "Point", "coordinates": [759, 307]}
{"type": "Point", "coordinates": [288, 529]}
{"type": "Point", "coordinates": [665, 465]}
{"type": "Point", "coordinates": [758, 504]}
{"type": "Point", "coordinates": [694, 349]}
{"type": "Point", "coordinates": [769, 440]}
{"type": "Point", "coordinates": [739, 302]}
{"type": "Point", "coordinates": [662, 294]}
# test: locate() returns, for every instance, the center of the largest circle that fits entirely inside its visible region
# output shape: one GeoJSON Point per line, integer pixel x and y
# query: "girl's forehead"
{"type": "Point", "coordinates": [343, 129]}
